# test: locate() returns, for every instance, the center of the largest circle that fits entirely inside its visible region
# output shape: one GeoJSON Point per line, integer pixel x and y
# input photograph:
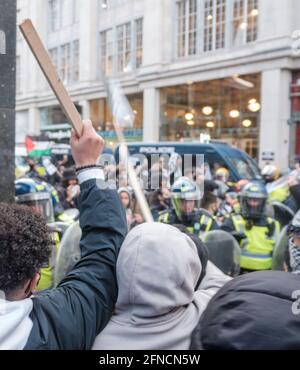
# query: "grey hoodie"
{"type": "Point", "coordinates": [157, 307]}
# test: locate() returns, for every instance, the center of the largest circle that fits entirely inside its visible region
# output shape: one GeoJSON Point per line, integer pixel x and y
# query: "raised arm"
{"type": "Point", "coordinates": [70, 316]}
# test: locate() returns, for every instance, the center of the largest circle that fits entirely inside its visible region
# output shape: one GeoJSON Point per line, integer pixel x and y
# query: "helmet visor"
{"type": "Point", "coordinates": [253, 207]}
{"type": "Point", "coordinates": [184, 208]}
{"type": "Point", "coordinates": [40, 203]}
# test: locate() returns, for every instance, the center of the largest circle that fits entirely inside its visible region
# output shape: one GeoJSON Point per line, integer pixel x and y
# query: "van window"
{"type": "Point", "coordinates": [244, 168]}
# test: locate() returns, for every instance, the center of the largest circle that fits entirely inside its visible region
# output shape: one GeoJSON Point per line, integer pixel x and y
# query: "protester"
{"type": "Point", "coordinates": [70, 316]}
{"type": "Point", "coordinates": [159, 201]}
{"type": "Point", "coordinates": [258, 311]}
{"type": "Point", "coordinates": [125, 197]}
{"type": "Point", "coordinates": [157, 308]}
{"type": "Point", "coordinates": [293, 233]}
{"type": "Point", "coordinates": [72, 190]}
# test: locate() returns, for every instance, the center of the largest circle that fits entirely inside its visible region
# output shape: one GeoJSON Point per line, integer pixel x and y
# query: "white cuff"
{"type": "Point", "coordinates": [90, 174]}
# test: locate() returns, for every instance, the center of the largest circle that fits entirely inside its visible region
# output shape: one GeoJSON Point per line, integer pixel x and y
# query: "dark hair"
{"type": "Point", "coordinates": [208, 199]}
{"type": "Point", "coordinates": [25, 245]}
{"type": "Point", "coordinates": [154, 197]}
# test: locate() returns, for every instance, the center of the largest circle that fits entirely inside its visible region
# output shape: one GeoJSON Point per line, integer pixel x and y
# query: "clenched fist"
{"type": "Point", "coordinates": [87, 148]}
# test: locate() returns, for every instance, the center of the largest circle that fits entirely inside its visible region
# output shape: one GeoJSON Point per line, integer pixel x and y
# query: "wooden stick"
{"type": "Point", "coordinates": [39, 51]}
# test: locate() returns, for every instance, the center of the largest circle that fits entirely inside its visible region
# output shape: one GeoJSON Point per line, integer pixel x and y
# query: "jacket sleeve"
{"type": "Point", "coordinates": [70, 316]}
{"type": "Point", "coordinates": [213, 280]}
{"type": "Point", "coordinates": [227, 225]}
{"type": "Point", "coordinates": [295, 191]}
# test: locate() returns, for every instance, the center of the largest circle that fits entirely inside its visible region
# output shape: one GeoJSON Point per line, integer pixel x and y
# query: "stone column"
{"type": "Point", "coordinates": [7, 98]}
{"type": "Point", "coordinates": [151, 114]}
{"type": "Point", "coordinates": [275, 114]}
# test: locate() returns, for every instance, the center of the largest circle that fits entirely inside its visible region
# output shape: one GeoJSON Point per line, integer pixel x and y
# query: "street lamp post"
{"type": "Point", "coordinates": [7, 98]}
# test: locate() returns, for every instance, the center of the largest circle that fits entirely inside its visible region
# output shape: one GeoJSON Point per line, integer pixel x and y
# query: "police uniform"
{"type": "Point", "coordinates": [257, 240]}
{"type": "Point", "coordinates": [203, 221]}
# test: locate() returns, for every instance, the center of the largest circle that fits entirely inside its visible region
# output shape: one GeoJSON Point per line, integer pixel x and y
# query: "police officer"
{"type": "Point", "coordinates": [256, 233]}
{"type": "Point", "coordinates": [35, 186]}
{"type": "Point", "coordinates": [270, 173]}
{"type": "Point", "coordinates": [284, 192]}
{"type": "Point", "coordinates": [185, 198]}
{"type": "Point", "coordinates": [35, 195]}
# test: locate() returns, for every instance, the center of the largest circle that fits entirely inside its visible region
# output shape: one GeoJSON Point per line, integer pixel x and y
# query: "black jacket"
{"type": "Point", "coordinates": [295, 192]}
{"type": "Point", "coordinates": [70, 316]}
{"type": "Point", "coordinates": [255, 311]}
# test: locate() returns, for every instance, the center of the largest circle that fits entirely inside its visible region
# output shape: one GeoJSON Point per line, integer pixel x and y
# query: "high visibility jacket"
{"type": "Point", "coordinates": [65, 218]}
{"type": "Point", "coordinates": [279, 195]}
{"type": "Point", "coordinates": [203, 223]}
{"type": "Point", "coordinates": [257, 247]}
{"type": "Point", "coordinates": [47, 273]}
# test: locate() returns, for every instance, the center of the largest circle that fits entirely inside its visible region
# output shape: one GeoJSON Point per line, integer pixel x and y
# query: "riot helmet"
{"type": "Point", "coordinates": [185, 196]}
{"type": "Point", "coordinates": [253, 198]}
{"type": "Point", "coordinates": [34, 195]}
{"type": "Point", "coordinates": [270, 173]}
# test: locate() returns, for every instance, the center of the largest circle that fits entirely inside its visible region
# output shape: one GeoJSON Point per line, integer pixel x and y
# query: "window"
{"type": "Point", "coordinates": [54, 56]}
{"type": "Point", "coordinates": [139, 42]}
{"type": "Point", "coordinates": [245, 20]}
{"type": "Point", "coordinates": [107, 51]}
{"type": "Point", "coordinates": [75, 63]}
{"type": "Point", "coordinates": [187, 28]}
{"type": "Point", "coordinates": [54, 15]}
{"type": "Point", "coordinates": [66, 60]}
{"type": "Point", "coordinates": [65, 63]}
{"type": "Point", "coordinates": [63, 13]}
{"type": "Point", "coordinates": [214, 24]}
{"type": "Point", "coordinates": [124, 48]}
{"type": "Point", "coordinates": [210, 25]}
{"type": "Point", "coordinates": [67, 12]}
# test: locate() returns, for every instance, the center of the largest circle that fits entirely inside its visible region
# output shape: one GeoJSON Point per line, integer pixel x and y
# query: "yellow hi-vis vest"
{"type": "Point", "coordinates": [47, 278]}
{"type": "Point", "coordinates": [279, 195]}
{"type": "Point", "coordinates": [257, 248]}
{"type": "Point", "coordinates": [204, 224]}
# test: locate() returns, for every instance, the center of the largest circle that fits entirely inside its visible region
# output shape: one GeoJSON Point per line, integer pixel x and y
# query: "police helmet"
{"type": "Point", "coordinates": [34, 195]}
{"type": "Point", "coordinates": [270, 173]}
{"type": "Point", "coordinates": [185, 190]}
{"type": "Point", "coordinates": [253, 199]}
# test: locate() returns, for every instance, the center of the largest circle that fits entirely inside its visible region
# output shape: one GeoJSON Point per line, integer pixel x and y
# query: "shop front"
{"type": "Point", "coordinates": [224, 109]}
{"type": "Point", "coordinates": [101, 117]}
{"type": "Point", "coordinates": [55, 125]}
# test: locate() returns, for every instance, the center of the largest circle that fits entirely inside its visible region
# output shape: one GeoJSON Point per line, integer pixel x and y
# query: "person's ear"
{"type": "Point", "coordinates": [34, 282]}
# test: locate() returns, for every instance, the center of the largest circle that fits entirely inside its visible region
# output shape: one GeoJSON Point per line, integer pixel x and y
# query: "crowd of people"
{"type": "Point", "coordinates": [199, 277]}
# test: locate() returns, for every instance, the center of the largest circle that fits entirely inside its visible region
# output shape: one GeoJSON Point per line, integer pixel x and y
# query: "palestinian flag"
{"type": "Point", "coordinates": [37, 147]}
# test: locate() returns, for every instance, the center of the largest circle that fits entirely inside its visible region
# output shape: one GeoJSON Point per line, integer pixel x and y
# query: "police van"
{"type": "Point", "coordinates": [216, 154]}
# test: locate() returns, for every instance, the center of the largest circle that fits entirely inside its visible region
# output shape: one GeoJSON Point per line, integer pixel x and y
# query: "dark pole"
{"type": "Point", "coordinates": [8, 13]}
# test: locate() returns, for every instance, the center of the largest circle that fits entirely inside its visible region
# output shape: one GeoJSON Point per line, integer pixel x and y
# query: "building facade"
{"type": "Point", "coordinates": [229, 68]}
